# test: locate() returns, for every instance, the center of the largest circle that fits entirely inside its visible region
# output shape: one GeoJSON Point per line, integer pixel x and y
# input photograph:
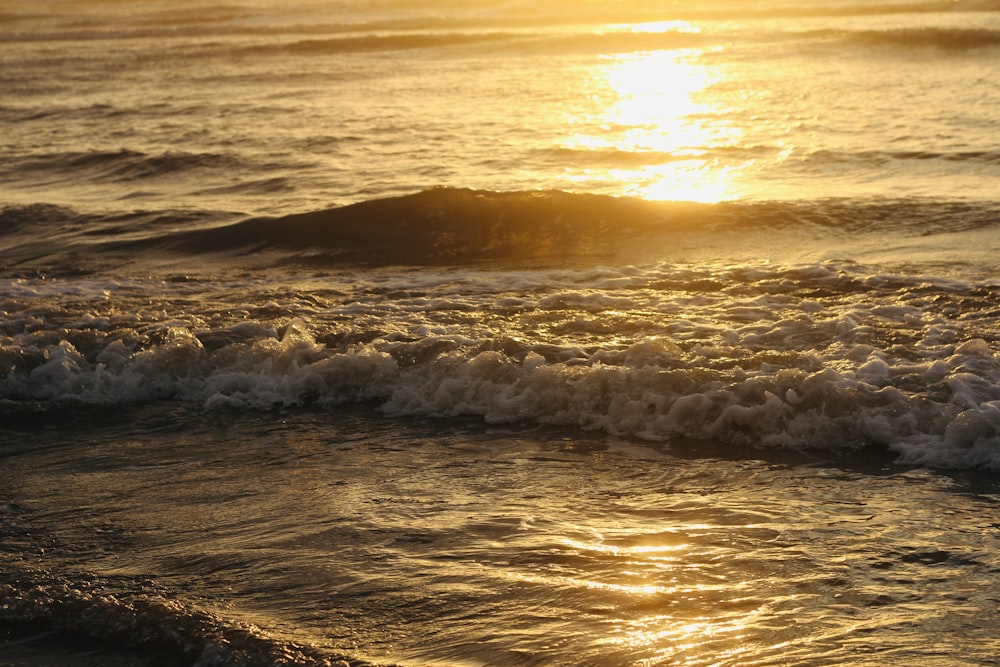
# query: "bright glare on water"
{"type": "Point", "coordinates": [658, 107]}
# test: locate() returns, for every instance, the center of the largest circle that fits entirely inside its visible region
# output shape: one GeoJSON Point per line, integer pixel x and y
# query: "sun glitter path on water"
{"type": "Point", "coordinates": [654, 106]}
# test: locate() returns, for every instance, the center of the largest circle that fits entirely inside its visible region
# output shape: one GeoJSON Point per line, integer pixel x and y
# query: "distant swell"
{"type": "Point", "coordinates": [881, 157]}
{"type": "Point", "coordinates": [945, 39]}
{"type": "Point", "coordinates": [596, 42]}
{"type": "Point", "coordinates": [124, 165]}
{"type": "Point", "coordinates": [394, 42]}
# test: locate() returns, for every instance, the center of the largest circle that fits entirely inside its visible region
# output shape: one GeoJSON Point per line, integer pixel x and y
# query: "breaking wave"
{"type": "Point", "coordinates": [812, 357]}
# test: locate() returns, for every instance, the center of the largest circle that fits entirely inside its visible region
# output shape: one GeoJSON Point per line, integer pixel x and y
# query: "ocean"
{"type": "Point", "coordinates": [468, 334]}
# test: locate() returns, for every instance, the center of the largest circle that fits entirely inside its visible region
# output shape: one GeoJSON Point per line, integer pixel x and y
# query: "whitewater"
{"type": "Point", "coordinates": [496, 334]}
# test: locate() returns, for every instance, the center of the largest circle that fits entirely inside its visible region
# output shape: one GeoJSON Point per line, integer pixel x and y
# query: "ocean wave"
{"type": "Point", "coordinates": [849, 9]}
{"type": "Point", "coordinates": [732, 11]}
{"type": "Point", "coordinates": [448, 226]}
{"type": "Point", "coordinates": [442, 225]}
{"type": "Point", "coordinates": [614, 41]}
{"type": "Point", "coordinates": [941, 39]}
{"type": "Point", "coordinates": [258, 186]}
{"type": "Point", "coordinates": [885, 156]}
{"type": "Point", "coordinates": [504, 25]}
{"type": "Point", "coordinates": [453, 226]}
{"type": "Point", "coordinates": [122, 165]}
{"type": "Point", "coordinates": [376, 42]}
{"type": "Point", "coordinates": [15, 114]}
{"type": "Point", "coordinates": [34, 216]}
{"type": "Point", "coordinates": [808, 357]}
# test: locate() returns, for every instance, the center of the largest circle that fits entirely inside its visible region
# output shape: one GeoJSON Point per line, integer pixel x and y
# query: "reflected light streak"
{"type": "Point", "coordinates": [659, 110]}
{"type": "Point", "coordinates": [686, 641]}
{"type": "Point", "coordinates": [673, 639]}
{"type": "Point", "coordinates": [621, 551]}
{"type": "Point", "coordinates": [656, 27]}
{"type": "Point", "coordinates": [568, 582]}
{"type": "Point", "coordinates": [658, 570]}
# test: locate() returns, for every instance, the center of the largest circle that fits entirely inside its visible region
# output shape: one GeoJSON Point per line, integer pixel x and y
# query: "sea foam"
{"type": "Point", "coordinates": [941, 408]}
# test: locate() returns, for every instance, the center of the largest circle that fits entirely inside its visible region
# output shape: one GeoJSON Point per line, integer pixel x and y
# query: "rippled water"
{"type": "Point", "coordinates": [444, 544]}
{"type": "Point", "coordinates": [261, 110]}
{"type": "Point", "coordinates": [328, 334]}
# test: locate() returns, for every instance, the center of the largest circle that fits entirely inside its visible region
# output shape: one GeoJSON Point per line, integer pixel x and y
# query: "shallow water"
{"type": "Point", "coordinates": [418, 543]}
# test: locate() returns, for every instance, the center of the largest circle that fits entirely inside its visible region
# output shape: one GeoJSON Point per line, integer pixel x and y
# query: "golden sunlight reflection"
{"type": "Point", "coordinates": [649, 573]}
{"type": "Point", "coordinates": [658, 116]}
{"type": "Point", "coordinates": [672, 638]}
{"type": "Point", "coordinates": [656, 27]}
{"type": "Point", "coordinates": [646, 550]}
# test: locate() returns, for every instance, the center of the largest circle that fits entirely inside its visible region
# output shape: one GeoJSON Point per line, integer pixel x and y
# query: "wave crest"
{"type": "Point", "coordinates": [445, 226]}
{"type": "Point", "coordinates": [455, 226]}
{"type": "Point", "coordinates": [768, 385]}
{"type": "Point", "coordinates": [450, 226]}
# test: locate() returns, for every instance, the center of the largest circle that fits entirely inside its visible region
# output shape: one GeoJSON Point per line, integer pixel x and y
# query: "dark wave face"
{"type": "Point", "coordinates": [120, 166]}
{"type": "Point", "coordinates": [458, 226]}
{"type": "Point", "coordinates": [523, 42]}
{"type": "Point", "coordinates": [448, 226]}
{"type": "Point", "coordinates": [943, 39]}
